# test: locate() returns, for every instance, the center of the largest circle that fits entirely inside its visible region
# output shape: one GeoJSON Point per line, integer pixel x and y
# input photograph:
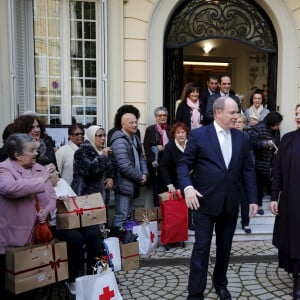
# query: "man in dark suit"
{"type": "Point", "coordinates": [219, 156]}
{"type": "Point", "coordinates": [212, 87]}
{"type": "Point", "coordinates": [224, 90]}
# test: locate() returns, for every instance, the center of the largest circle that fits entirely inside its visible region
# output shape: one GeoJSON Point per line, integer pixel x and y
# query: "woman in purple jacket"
{"type": "Point", "coordinates": [22, 181]}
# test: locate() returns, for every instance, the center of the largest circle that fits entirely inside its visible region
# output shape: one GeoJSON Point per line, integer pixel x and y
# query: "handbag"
{"type": "Point", "coordinates": [98, 286]}
{"type": "Point", "coordinates": [174, 227]}
{"type": "Point", "coordinates": [129, 224]}
{"type": "Point", "coordinates": [147, 236]}
{"type": "Point", "coordinates": [42, 231]}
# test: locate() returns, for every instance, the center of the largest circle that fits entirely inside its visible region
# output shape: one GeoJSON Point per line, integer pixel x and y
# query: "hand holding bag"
{"type": "Point", "coordinates": [174, 227]}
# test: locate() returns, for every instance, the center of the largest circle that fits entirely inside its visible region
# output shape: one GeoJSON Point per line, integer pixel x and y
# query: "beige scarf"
{"type": "Point", "coordinates": [254, 113]}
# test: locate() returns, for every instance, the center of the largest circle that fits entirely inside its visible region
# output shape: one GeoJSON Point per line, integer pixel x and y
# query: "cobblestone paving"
{"type": "Point", "coordinates": [247, 281]}
{"type": "Point", "coordinates": [163, 275]}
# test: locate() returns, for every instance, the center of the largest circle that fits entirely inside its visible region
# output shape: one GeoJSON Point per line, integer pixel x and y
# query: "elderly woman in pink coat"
{"type": "Point", "coordinates": [22, 183]}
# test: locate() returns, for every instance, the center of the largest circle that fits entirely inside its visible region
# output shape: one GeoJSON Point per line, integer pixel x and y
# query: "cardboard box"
{"type": "Point", "coordinates": [130, 256]}
{"type": "Point", "coordinates": [34, 266]}
{"type": "Point", "coordinates": [141, 213]}
{"type": "Point", "coordinates": [80, 211]}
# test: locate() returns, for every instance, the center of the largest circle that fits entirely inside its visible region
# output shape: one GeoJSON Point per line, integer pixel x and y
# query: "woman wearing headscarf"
{"type": "Point", "coordinates": [92, 170]}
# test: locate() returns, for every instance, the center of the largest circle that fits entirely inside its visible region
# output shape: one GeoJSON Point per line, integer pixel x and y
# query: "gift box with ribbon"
{"type": "Point", "coordinates": [80, 211]}
{"type": "Point", "coordinates": [34, 266]}
{"type": "Point", "coordinates": [151, 213]}
{"type": "Point", "coordinates": [130, 256]}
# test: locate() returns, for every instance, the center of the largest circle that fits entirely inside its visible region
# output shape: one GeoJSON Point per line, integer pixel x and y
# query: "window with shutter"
{"type": "Point", "coordinates": [57, 75]}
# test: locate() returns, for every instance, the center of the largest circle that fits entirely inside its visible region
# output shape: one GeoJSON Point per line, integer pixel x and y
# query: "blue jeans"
{"type": "Point", "coordinates": [123, 209]}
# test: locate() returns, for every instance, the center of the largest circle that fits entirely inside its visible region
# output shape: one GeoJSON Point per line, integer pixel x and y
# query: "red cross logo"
{"type": "Point", "coordinates": [152, 236]}
{"type": "Point", "coordinates": [107, 294]}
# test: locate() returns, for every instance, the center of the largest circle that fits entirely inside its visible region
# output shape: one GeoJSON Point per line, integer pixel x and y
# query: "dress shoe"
{"type": "Point", "coordinates": [260, 212]}
{"type": "Point", "coordinates": [247, 229]}
{"type": "Point", "coordinates": [296, 291]}
{"type": "Point", "coordinates": [223, 293]}
{"type": "Point", "coordinates": [192, 227]}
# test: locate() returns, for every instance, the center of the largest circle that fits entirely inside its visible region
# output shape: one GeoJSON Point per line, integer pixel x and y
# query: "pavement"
{"type": "Point", "coordinates": [163, 274]}
{"type": "Point", "coordinates": [252, 274]}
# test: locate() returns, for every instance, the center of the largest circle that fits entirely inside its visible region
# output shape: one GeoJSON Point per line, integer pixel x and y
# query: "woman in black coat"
{"type": "Point", "coordinates": [285, 203]}
{"type": "Point", "coordinates": [172, 154]}
{"type": "Point", "coordinates": [265, 137]}
{"type": "Point", "coordinates": [93, 169]}
{"type": "Point", "coordinates": [190, 110]}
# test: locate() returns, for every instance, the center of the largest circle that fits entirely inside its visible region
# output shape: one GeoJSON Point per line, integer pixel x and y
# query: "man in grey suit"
{"type": "Point", "coordinates": [219, 156]}
{"type": "Point", "coordinates": [224, 90]}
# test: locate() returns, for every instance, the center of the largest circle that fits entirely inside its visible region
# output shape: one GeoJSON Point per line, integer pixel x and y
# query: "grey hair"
{"type": "Point", "coordinates": [160, 108]}
{"type": "Point", "coordinates": [219, 103]}
{"type": "Point", "coordinates": [15, 143]}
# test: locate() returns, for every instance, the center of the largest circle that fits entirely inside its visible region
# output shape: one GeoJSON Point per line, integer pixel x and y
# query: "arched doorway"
{"type": "Point", "coordinates": [199, 20]}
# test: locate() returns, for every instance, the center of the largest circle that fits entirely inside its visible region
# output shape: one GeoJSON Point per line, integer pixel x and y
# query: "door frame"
{"type": "Point", "coordinates": [287, 86]}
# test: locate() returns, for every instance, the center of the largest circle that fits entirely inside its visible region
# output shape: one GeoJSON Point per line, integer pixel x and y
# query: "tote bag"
{"type": "Point", "coordinates": [147, 236]}
{"type": "Point", "coordinates": [112, 246]}
{"type": "Point", "coordinates": [98, 286]}
{"type": "Point", "coordinates": [174, 211]}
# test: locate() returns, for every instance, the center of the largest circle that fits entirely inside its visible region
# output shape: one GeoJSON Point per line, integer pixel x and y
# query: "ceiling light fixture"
{"type": "Point", "coordinates": [202, 63]}
{"type": "Point", "coordinates": [207, 47]}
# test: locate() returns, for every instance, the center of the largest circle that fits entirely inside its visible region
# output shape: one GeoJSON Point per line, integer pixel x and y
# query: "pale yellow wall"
{"type": "Point", "coordinates": [286, 19]}
{"type": "Point", "coordinates": [136, 19]}
{"type": "Point", "coordinates": [6, 114]}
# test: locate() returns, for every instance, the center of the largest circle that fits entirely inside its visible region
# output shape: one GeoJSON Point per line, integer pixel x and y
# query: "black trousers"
{"type": "Point", "coordinates": [204, 226]}
{"type": "Point", "coordinates": [89, 236]}
{"type": "Point", "coordinates": [263, 183]}
{"type": "Point", "coordinates": [244, 207]}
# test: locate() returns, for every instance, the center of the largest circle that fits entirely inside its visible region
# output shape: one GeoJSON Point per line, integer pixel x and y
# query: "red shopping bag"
{"type": "Point", "coordinates": [174, 227]}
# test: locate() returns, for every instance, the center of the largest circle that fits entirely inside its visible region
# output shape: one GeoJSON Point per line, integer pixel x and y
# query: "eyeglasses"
{"type": "Point", "coordinates": [162, 115]}
{"type": "Point", "coordinates": [100, 135]}
{"type": "Point", "coordinates": [78, 133]}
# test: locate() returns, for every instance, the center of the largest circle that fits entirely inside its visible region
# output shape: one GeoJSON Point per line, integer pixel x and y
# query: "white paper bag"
{"type": "Point", "coordinates": [98, 286]}
{"type": "Point", "coordinates": [147, 236]}
{"type": "Point", "coordinates": [113, 245]}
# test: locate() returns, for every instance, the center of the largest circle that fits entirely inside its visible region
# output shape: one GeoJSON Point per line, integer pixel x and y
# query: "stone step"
{"type": "Point", "coordinates": [261, 226]}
